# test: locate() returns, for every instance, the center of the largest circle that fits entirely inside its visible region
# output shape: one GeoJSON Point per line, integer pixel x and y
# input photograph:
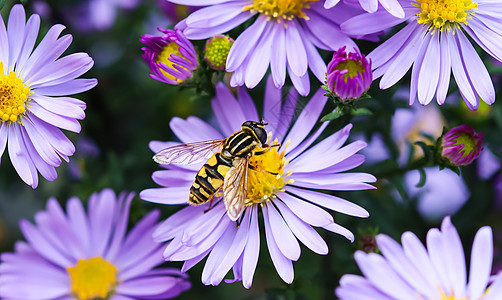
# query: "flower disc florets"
{"type": "Point", "coordinates": [267, 176]}
{"type": "Point", "coordinates": [461, 145]}
{"type": "Point", "coordinates": [438, 14]}
{"type": "Point", "coordinates": [93, 278]}
{"type": "Point", "coordinates": [280, 10]}
{"type": "Point", "coordinates": [171, 57]}
{"type": "Point", "coordinates": [216, 51]}
{"type": "Point", "coordinates": [349, 74]}
{"type": "Point", "coordinates": [13, 96]}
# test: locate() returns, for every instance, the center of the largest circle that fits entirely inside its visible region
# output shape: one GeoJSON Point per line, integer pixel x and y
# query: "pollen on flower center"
{"type": "Point", "coordinates": [266, 176]}
{"type": "Point", "coordinates": [13, 96]}
{"type": "Point", "coordinates": [170, 49]}
{"type": "Point", "coordinates": [93, 278]}
{"type": "Point", "coordinates": [280, 10]}
{"type": "Point", "coordinates": [444, 13]}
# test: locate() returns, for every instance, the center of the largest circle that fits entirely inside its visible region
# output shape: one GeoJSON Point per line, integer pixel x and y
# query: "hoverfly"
{"type": "Point", "coordinates": [226, 169]}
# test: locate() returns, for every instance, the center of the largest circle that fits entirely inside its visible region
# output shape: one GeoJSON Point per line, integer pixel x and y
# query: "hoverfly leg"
{"type": "Point", "coordinates": [267, 148]}
{"type": "Point", "coordinates": [250, 166]}
{"type": "Point", "coordinates": [210, 205]}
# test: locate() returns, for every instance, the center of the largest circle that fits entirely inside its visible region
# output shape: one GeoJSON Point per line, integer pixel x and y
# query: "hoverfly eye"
{"type": "Point", "coordinates": [261, 134]}
{"type": "Point", "coordinates": [247, 124]}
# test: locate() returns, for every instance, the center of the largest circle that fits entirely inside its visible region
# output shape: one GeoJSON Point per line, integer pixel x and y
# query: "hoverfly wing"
{"type": "Point", "coordinates": [235, 188]}
{"type": "Point", "coordinates": [186, 154]}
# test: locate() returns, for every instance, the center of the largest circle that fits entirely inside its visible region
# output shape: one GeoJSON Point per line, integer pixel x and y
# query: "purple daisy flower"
{"type": "Point", "coordinates": [371, 6]}
{"type": "Point", "coordinates": [34, 85]}
{"type": "Point", "coordinates": [287, 198]}
{"type": "Point", "coordinates": [461, 145]}
{"type": "Point", "coordinates": [436, 42]}
{"type": "Point", "coordinates": [171, 57]}
{"type": "Point", "coordinates": [348, 75]}
{"type": "Point", "coordinates": [89, 256]}
{"type": "Point", "coordinates": [285, 36]}
{"type": "Point", "coordinates": [437, 273]}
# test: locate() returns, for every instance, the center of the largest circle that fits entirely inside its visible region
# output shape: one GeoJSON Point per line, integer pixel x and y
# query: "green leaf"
{"type": "Point", "coordinates": [423, 178]}
{"type": "Point", "coordinates": [332, 115]}
{"type": "Point", "coordinates": [24, 2]}
{"type": "Point", "coordinates": [2, 3]}
{"type": "Point", "coordinates": [362, 112]}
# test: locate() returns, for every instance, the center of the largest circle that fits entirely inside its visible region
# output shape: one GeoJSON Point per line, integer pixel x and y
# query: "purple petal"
{"type": "Point", "coordinates": [171, 195]}
{"type": "Point", "coordinates": [306, 211]}
{"type": "Point", "coordinates": [282, 235]}
{"type": "Point", "coordinates": [221, 249]}
{"type": "Point", "coordinates": [252, 249]}
{"type": "Point", "coordinates": [304, 232]}
{"type": "Point", "coordinates": [481, 262]}
{"type": "Point", "coordinates": [15, 31]}
{"type": "Point", "coordinates": [259, 60]}
{"type": "Point", "coordinates": [283, 265]}
{"type": "Point", "coordinates": [245, 43]}
{"type": "Point", "coordinates": [306, 121]}
{"type": "Point", "coordinates": [227, 110]}
{"type": "Point", "coordinates": [100, 206]}
{"type": "Point", "coordinates": [234, 252]}
{"type": "Point", "coordinates": [330, 202]}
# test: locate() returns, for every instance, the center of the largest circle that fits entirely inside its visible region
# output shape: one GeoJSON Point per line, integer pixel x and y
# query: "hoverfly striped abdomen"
{"type": "Point", "coordinates": [209, 179]}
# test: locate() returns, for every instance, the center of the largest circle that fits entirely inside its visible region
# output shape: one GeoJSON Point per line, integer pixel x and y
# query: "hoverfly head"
{"type": "Point", "coordinates": [258, 128]}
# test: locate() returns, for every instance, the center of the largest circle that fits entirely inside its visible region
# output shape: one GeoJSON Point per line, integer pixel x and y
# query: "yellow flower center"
{"type": "Point", "coordinates": [354, 68]}
{"type": "Point", "coordinates": [163, 57]}
{"type": "Point", "coordinates": [13, 96]}
{"type": "Point", "coordinates": [438, 14]}
{"type": "Point", "coordinates": [280, 10]}
{"type": "Point", "coordinates": [467, 141]}
{"type": "Point", "coordinates": [93, 278]}
{"type": "Point", "coordinates": [266, 176]}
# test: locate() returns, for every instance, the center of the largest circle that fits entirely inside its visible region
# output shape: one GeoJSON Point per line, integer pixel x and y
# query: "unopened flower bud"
{"type": "Point", "coordinates": [216, 51]}
{"type": "Point", "coordinates": [171, 57]}
{"type": "Point", "coordinates": [461, 145]}
{"type": "Point", "coordinates": [348, 75]}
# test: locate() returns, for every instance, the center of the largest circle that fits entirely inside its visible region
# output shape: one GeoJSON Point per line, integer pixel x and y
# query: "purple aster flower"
{"type": "Point", "coordinates": [371, 6]}
{"type": "Point", "coordinates": [434, 201]}
{"type": "Point", "coordinates": [348, 75]}
{"type": "Point", "coordinates": [171, 57]}
{"type": "Point", "coordinates": [436, 42]}
{"type": "Point", "coordinates": [88, 255]}
{"type": "Point", "coordinates": [461, 145]}
{"type": "Point", "coordinates": [413, 272]}
{"type": "Point", "coordinates": [285, 35]}
{"type": "Point", "coordinates": [90, 15]}
{"type": "Point", "coordinates": [34, 105]}
{"type": "Point", "coordinates": [288, 199]}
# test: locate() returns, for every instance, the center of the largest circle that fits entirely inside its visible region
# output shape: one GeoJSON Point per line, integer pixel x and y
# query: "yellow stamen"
{"type": "Point", "coordinates": [163, 57]}
{"type": "Point", "coordinates": [438, 14]}
{"type": "Point", "coordinates": [13, 96]}
{"type": "Point", "coordinates": [267, 176]}
{"type": "Point", "coordinates": [280, 10]}
{"type": "Point", "coordinates": [93, 279]}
